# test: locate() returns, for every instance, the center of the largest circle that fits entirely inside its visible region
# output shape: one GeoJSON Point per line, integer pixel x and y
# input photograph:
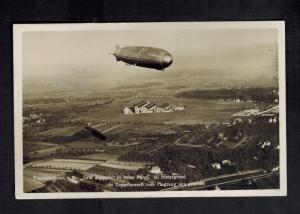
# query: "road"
{"type": "Point", "coordinates": [114, 127]}
{"type": "Point", "coordinates": [221, 180]}
{"type": "Point", "coordinates": [163, 145]}
{"type": "Point", "coordinates": [98, 125]}
{"type": "Point", "coordinates": [235, 181]}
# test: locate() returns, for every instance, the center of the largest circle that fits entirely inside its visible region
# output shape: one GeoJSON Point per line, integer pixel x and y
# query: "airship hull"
{"type": "Point", "coordinates": [148, 57]}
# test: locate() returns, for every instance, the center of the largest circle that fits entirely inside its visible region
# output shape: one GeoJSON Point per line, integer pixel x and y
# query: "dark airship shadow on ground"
{"type": "Point", "coordinates": [96, 133]}
{"type": "Point", "coordinates": [83, 134]}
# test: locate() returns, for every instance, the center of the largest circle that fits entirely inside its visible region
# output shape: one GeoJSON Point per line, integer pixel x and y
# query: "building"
{"type": "Point", "coordinates": [128, 110]}
{"type": "Point", "coordinates": [270, 114]}
{"type": "Point", "coordinates": [264, 144]}
{"type": "Point", "coordinates": [276, 168]}
{"type": "Point", "coordinates": [191, 166]}
{"type": "Point", "coordinates": [216, 166]}
{"type": "Point", "coordinates": [163, 108]}
{"type": "Point", "coordinates": [145, 106]}
{"type": "Point", "coordinates": [246, 113]}
{"type": "Point", "coordinates": [149, 108]}
{"type": "Point", "coordinates": [228, 162]}
{"type": "Point", "coordinates": [137, 107]}
{"type": "Point", "coordinates": [179, 108]}
{"type": "Point", "coordinates": [156, 170]}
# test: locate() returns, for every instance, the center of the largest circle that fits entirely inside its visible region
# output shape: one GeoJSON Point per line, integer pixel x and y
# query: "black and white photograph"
{"type": "Point", "coordinates": [134, 110]}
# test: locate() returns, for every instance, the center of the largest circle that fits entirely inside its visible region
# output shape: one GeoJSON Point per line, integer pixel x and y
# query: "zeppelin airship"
{"type": "Point", "coordinates": [148, 57]}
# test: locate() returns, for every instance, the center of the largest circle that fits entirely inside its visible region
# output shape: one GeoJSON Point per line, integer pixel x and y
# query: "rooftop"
{"type": "Point", "coordinates": [140, 104]}
{"type": "Point", "coordinates": [150, 105]}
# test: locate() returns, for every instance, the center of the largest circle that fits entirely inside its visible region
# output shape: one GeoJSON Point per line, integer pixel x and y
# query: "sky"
{"type": "Point", "coordinates": [59, 53]}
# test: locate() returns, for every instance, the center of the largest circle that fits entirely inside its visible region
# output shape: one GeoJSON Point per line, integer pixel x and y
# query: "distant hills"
{"type": "Point", "coordinates": [245, 94]}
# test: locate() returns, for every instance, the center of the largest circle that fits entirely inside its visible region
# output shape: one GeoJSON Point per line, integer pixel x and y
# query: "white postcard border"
{"type": "Point", "coordinates": [18, 30]}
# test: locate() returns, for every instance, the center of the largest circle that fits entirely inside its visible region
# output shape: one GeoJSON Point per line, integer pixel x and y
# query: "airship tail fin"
{"type": "Point", "coordinates": [117, 49]}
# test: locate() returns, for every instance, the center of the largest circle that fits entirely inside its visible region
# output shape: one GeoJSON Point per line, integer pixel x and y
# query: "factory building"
{"type": "Point", "coordinates": [146, 106]}
{"type": "Point", "coordinates": [149, 108]}
{"type": "Point", "coordinates": [165, 107]}
{"type": "Point", "coordinates": [129, 110]}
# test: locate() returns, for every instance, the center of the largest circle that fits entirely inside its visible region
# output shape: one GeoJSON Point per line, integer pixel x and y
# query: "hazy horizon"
{"type": "Point", "coordinates": [80, 56]}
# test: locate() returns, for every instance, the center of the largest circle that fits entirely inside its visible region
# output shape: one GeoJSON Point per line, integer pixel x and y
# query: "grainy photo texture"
{"type": "Point", "coordinates": [149, 110]}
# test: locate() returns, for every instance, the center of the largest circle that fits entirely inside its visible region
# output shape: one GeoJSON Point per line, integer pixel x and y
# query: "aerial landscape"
{"type": "Point", "coordinates": [209, 121]}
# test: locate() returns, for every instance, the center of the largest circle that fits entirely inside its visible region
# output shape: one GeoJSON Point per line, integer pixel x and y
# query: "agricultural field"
{"type": "Point", "coordinates": [111, 170]}
{"type": "Point", "coordinates": [99, 157]}
{"type": "Point", "coordinates": [66, 131]}
{"type": "Point", "coordinates": [36, 146]}
{"type": "Point", "coordinates": [37, 150]}
{"type": "Point", "coordinates": [66, 164]}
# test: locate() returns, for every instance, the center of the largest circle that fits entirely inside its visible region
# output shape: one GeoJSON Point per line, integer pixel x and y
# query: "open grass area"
{"type": "Point", "coordinates": [85, 145]}
{"type": "Point", "coordinates": [29, 147]}
{"type": "Point", "coordinates": [196, 111]}
{"type": "Point", "coordinates": [108, 170]}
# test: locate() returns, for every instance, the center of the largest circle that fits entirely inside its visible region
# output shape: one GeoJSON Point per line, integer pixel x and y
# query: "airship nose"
{"type": "Point", "coordinates": [167, 60]}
